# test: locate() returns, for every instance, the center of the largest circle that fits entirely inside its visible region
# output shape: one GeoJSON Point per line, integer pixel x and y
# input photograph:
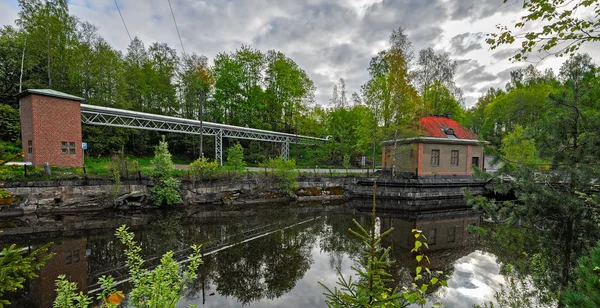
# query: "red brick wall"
{"type": "Point", "coordinates": [53, 120]}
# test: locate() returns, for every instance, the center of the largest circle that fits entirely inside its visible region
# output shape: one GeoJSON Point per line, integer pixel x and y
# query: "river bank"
{"type": "Point", "coordinates": [64, 196]}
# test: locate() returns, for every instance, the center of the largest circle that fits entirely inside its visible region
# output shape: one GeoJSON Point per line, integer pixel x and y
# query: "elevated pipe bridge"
{"type": "Point", "coordinates": [98, 115]}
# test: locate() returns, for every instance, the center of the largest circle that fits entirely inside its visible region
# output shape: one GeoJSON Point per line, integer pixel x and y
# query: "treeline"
{"type": "Point", "coordinates": [246, 87]}
{"type": "Point", "coordinates": [544, 108]}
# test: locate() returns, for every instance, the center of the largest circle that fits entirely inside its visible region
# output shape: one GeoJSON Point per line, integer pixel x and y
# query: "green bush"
{"type": "Point", "coordinates": [16, 266]}
{"type": "Point", "coordinates": [235, 158]}
{"type": "Point", "coordinates": [203, 169]}
{"type": "Point", "coordinates": [286, 172]}
{"type": "Point", "coordinates": [10, 123]}
{"type": "Point", "coordinates": [166, 187]}
{"type": "Point", "coordinates": [160, 287]}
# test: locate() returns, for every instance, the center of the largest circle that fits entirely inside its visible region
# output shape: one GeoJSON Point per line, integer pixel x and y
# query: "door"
{"type": "Point", "coordinates": [475, 161]}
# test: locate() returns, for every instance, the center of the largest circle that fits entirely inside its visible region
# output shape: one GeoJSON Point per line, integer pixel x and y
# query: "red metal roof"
{"type": "Point", "coordinates": [433, 126]}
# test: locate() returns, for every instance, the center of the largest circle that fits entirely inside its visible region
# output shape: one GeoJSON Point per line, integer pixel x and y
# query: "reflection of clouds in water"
{"type": "Point", "coordinates": [475, 280]}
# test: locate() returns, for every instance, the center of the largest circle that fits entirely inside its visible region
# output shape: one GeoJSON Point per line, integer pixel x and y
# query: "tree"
{"type": "Point", "coordinates": [441, 101]}
{"type": "Point", "coordinates": [434, 68]}
{"type": "Point", "coordinates": [517, 148]}
{"type": "Point", "coordinates": [560, 29]}
{"type": "Point", "coordinates": [16, 266]}
{"type": "Point", "coordinates": [586, 291]}
{"type": "Point", "coordinates": [10, 127]}
{"type": "Point", "coordinates": [166, 187]}
{"type": "Point", "coordinates": [235, 158]}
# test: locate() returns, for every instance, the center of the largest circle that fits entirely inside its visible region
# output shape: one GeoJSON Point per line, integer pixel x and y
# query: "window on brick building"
{"type": "Point", "coordinates": [64, 147]}
{"type": "Point", "coordinates": [435, 158]}
{"type": "Point", "coordinates": [454, 158]}
{"type": "Point", "coordinates": [71, 147]}
{"type": "Point", "coordinates": [29, 146]}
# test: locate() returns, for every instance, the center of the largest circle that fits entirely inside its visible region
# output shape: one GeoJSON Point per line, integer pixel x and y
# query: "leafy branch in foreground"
{"type": "Point", "coordinates": [372, 287]}
{"type": "Point", "coordinates": [562, 30]}
{"type": "Point", "coordinates": [160, 287]}
{"type": "Point", "coordinates": [16, 266]}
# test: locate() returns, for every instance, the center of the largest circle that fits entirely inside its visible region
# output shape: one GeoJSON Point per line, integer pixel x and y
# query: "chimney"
{"type": "Point", "coordinates": [448, 115]}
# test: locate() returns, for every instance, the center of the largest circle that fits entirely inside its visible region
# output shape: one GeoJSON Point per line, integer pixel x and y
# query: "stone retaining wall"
{"type": "Point", "coordinates": [82, 195]}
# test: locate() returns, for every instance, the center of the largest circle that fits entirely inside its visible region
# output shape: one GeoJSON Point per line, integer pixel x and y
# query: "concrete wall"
{"type": "Point", "coordinates": [48, 121]}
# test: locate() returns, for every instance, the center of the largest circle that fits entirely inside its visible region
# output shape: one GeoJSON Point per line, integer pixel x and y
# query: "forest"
{"type": "Point", "coordinates": [245, 87]}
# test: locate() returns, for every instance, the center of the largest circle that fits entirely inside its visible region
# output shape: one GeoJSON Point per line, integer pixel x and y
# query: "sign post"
{"type": "Point", "coordinates": [83, 148]}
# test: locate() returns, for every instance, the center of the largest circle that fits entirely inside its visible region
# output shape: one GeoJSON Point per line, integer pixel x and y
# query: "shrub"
{"type": "Point", "coordinates": [160, 287]}
{"type": "Point", "coordinates": [16, 266]}
{"type": "Point", "coordinates": [286, 172]}
{"type": "Point", "coordinates": [235, 157]}
{"type": "Point", "coordinates": [202, 169]}
{"type": "Point", "coordinates": [166, 188]}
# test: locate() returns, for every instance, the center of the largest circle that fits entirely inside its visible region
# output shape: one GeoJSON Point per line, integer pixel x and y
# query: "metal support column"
{"type": "Point", "coordinates": [219, 147]}
{"type": "Point", "coordinates": [285, 150]}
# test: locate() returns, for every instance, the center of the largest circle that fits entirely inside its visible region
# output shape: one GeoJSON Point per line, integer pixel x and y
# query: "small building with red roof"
{"type": "Point", "coordinates": [442, 147]}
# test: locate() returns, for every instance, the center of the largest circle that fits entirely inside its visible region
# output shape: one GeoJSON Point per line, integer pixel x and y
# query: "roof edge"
{"type": "Point", "coordinates": [51, 93]}
{"type": "Point", "coordinates": [435, 140]}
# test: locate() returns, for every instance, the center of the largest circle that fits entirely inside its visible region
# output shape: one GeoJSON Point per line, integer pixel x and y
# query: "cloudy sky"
{"type": "Point", "coordinates": [329, 39]}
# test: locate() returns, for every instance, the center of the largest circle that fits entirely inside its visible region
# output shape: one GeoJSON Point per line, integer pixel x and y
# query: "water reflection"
{"type": "Point", "coordinates": [259, 257]}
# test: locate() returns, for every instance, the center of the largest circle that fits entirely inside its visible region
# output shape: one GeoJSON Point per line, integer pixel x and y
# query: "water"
{"type": "Point", "coordinates": [271, 256]}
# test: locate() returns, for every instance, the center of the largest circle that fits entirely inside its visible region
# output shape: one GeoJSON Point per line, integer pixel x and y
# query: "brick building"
{"type": "Point", "coordinates": [443, 147]}
{"type": "Point", "coordinates": [51, 128]}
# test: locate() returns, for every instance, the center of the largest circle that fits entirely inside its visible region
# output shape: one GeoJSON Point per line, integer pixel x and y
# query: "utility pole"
{"type": "Point", "coordinates": [201, 121]}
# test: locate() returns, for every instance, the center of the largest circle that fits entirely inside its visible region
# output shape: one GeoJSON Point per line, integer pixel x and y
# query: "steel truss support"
{"type": "Point", "coordinates": [285, 150]}
{"type": "Point", "coordinates": [97, 115]}
{"type": "Point", "coordinates": [219, 147]}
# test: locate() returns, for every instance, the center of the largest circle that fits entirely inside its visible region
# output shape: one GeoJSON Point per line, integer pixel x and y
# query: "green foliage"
{"type": "Point", "coordinates": [286, 172]}
{"type": "Point", "coordinates": [16, 266]}
{"type": "Point", "coordinates": [66, 296]}
{"type": "Point", "coordinates": [517, 148]}
{"type": "Point", "coordinates": [555, 24]}
{"type": "Point", "coordinates": [10, 124]}
{"type": "Point", "coordinates": [235, 158]}
{"type": "Point", "coordinates": [585, 293]}
{"type": "Point", "coordinates": [160, 287]}
{"type": "Point", "coordinates": [166, 187]}
{"type": "Point", "coordinates": [203, 169]}
{"type": "Point", "coordinates": [346, 162]}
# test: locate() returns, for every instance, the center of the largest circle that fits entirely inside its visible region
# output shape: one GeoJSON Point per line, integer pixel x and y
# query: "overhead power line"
{"type": "Point", "coordinates": [176, 27]}
{"type": "Point", "coordinates": [122, 19]}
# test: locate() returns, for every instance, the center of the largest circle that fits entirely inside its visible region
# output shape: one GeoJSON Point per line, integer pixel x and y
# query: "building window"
{"type": "Point", "coordinates": [454, 158]}
{"type": "Point", "coordinates": [29, 146]}
{"type": "Point", "coordinates": [435, 158]}
{"type": "Point", "coordinates": [67, 147]}
{"type": "Point", "coordinates": [451, 234]}
{"type": "Point", "coordinates": [431, 237]}
{"type": "Point", "coordinates": [69, 257]}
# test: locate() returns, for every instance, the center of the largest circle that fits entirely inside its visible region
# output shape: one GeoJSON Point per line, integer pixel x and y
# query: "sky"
{"type": "Point", "coordinates": [329, 39]}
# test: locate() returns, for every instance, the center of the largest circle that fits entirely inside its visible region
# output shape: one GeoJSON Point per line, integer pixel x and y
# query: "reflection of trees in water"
{"type": "Point", "coordinates": [267, 267]}
{"type": "Point", "coordinates": [337, 241]}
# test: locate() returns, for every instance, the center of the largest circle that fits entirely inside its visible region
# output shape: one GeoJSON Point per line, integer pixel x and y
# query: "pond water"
{"type": "Point", "coordinates": [271, 256]}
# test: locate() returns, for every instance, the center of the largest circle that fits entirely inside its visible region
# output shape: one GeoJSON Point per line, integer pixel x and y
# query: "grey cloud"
{"type": "Point", "coordinates": [504, 54]}
{"type": "Point", "coordinates": [477, 9]}
{"type": "Point", "coordinates": [466, 42]}
{"type": "Point", "coordinates": [471, 72]}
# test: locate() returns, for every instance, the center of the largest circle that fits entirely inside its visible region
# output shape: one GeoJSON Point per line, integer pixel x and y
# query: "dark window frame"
{"type": "Point", "coordinates": [454, 158]}
{"type": "Point", "coordinates": [435, 158]}
{"type": "Point", "coordinates": [64, 147]}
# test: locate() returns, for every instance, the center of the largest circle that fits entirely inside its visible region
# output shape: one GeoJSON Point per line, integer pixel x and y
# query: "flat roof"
{"type": "Point", "coordinates": [49, 92]}
{"type": "Point", "coordinates": [435, 140]}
